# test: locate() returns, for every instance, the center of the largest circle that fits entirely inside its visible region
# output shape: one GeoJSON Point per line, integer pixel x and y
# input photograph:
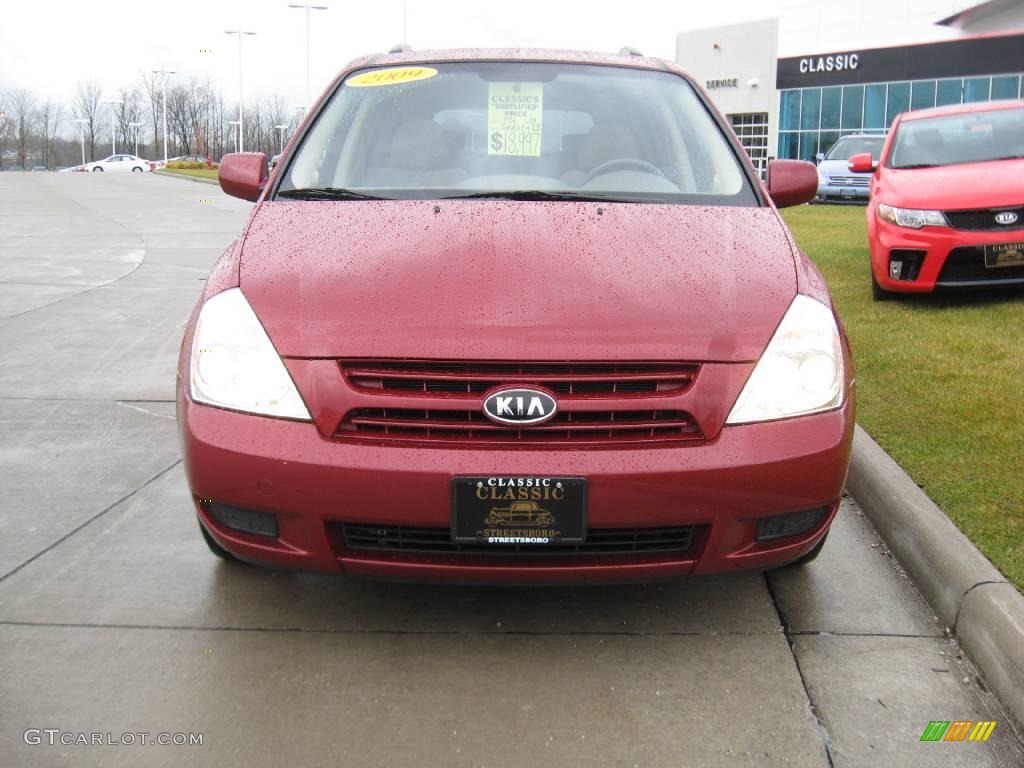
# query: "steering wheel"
{"type": "Point", "coordinates": [624, 162]}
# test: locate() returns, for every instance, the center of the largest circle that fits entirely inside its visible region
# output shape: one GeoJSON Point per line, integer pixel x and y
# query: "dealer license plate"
{"type": "Point", "coordinates": [519, 509]}
{"type": "Point", "coordinates": [1004, 255]}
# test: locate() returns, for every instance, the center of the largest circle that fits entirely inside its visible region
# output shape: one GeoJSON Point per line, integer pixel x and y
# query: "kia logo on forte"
{"type": "Point", "coordinates": [519, 406]}
{"type": "Point", "coordinates": [1006, 217]}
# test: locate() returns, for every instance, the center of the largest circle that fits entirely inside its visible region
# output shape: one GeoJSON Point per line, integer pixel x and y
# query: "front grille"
{"type": "Point", "coordinates": [472, 426]}
{"type": "Point", "coordinates": [419, 377]}
{"type": "Point", "coordinates": [849, 181]}
{"type": "Point", "coordinates": [967, 265]}
{"type": "Point", "coordinates": [374, 537]}
{"type": "Point", "coordinates": [984, 219]}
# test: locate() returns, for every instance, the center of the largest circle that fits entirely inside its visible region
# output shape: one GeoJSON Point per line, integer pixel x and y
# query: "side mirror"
{"type": "Point", "coordinates": [243, 174]}
{"type": "Point", "coordinates": [862, 163]}
{"type": "Point", "coordinates": [819, 157]}
{"type": "Point", "coordinates": [791, 182]}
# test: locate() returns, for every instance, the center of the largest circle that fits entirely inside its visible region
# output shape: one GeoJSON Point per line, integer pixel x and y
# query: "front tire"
{"type": "Point", "coordinates": [136, 169]}
{"type": "Point", "coordinates": [216, 548]}
{"type": "Point", "coordinates": [878, 293]}
{"type": "Point", "coordinates": [810, 556]}
{"type": "Point", "coordinates": [97, 170]}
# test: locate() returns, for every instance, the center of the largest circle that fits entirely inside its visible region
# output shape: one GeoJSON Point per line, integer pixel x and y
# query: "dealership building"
{"type": "Point", "coordinates": [798, 105]}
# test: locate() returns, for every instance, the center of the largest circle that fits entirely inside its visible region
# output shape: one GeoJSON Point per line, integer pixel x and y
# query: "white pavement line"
{"type": "Point", "coordinates": [968, 593]}
{"type": "Point", "coordinates": [123, 404]}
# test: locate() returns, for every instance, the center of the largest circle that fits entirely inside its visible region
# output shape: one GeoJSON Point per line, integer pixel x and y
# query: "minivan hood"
{"type": "Point", "coordinates": [994, 184]}
{"type": "Point", "coordinates": [495, 279]}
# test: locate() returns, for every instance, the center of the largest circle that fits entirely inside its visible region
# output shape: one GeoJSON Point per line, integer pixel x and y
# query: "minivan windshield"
{"type": "Point", "coordinates": [975, 137]}
{"type": "Point", "coordinates": [519, 130]}
{"type": "Point", "coordinates": [849, 146]}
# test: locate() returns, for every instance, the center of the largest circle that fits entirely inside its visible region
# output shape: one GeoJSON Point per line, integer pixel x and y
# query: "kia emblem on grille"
{"type": "Point", "coordinates": [519, 406]}
{"type": "Point", "coordinates": [1006, 217]}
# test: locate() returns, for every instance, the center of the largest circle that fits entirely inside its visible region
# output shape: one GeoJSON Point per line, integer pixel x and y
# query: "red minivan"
{"type": "Point", "coordinates": [486, 282]}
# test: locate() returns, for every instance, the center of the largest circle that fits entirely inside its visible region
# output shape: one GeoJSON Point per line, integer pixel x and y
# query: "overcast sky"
{"type": "Point", "coordinates": [48, 47]}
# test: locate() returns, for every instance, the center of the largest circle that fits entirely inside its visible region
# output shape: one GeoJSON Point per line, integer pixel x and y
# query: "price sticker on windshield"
{"type": "Point", "coordinates": [515, 119]}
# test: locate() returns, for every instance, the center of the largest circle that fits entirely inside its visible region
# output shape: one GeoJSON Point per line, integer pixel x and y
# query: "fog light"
{"type": "Point", "coordinates": [895, 269]}
{"type": "Point", "coordinates": [245, 520]}
{"type": "Point", "coordinates": [792, 524]}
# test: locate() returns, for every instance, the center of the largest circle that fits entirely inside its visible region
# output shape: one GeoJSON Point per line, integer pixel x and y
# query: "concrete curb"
{"type": "Point", "coordinates": [166, 175]}
{"type": "Point", "coordinates": [967, 592]}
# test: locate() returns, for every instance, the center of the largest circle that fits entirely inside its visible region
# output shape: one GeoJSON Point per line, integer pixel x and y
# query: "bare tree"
{"type": "Point", "coordinates": [150, 85]}
{"type": "Point", "coordinates": [276, 110]}
{"type": "Point", "coordinates": [49, 123]}
{"type": "Point", "coordinates": [128, 111]}
{"type": "Point", "coordinates": [5, 127]}
{"type": "Point", "coordinates": [86, 107]}
{"type": "Point", "coordinates": [23, 112]}
{"type": "Point", "coordinates": [177, 119]}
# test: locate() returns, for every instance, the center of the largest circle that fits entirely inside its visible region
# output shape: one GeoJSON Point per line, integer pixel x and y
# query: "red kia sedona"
{"type": "Point", "coordinates": [515, 316]}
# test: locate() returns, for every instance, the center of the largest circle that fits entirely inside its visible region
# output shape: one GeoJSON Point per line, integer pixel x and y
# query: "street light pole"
{"type": "Point", "coordinates": [164, 73]}
{"type": "Point", "coordinates": [238, 136]}
{"type": "Point", "coordinates": [113, 124]}
{"type": "Point", "coordinates": [136, 126]}
{"type": "Point", "coordinates": [82, 122]}
{"type": "Point", "coordinates": [239, 32]}
{"type": "Point", "coordinates": [282, 129]}
{"type": "Point", "coordinates": [308, 8]}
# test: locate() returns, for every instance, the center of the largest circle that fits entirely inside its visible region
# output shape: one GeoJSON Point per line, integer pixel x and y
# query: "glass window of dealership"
{"type": "Point", "coordinates": [813, 118]}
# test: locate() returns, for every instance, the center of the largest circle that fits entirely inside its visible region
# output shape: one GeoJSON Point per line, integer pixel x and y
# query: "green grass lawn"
{"type": "Point", "coordinates": [202, 173]}
{"type": "Point", "coordinates": [940, 384]}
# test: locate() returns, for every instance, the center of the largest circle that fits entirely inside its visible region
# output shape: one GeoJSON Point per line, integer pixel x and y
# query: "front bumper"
{"type": "Point", "coordinates": [938, 257]}
{"type": "Point", "coordinates": [837, 193]}
{"type": "Point", "coordinates": [312, 483]}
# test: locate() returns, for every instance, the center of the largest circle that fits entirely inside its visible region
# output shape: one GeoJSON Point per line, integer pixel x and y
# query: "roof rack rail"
{"type": "Point", "coordinates": [400, 48]}
{"type": "Point", "coordinates": [629, 50]}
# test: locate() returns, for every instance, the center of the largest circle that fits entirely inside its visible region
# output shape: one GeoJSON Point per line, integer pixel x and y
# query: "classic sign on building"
{"type": "Point", "coordinates": [829, 63]}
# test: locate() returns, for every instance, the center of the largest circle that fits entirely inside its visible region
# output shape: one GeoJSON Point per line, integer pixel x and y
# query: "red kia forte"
{"type": "Point", "coordinates": [515, 317]}
{"type": "Point", "coordinates": [947, 201]}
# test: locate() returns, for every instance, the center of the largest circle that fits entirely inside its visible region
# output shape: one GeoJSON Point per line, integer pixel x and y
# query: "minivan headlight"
{"type": "Point", "coordinates": [911, 217]}
{"type": "Point", "coordinates": [800, 371]}
{"type": "Point", "coordinates": [234, 364]}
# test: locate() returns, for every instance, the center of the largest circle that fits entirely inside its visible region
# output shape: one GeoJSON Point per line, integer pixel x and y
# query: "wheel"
{"type": "Point", "coordinates": [878, 293]}
{"type": "Point", "coordinates": [97, 169]}
{"type": "Point", "coordinates": [810, 556]}
{"type": "Point", "coordinates": [216, 548]}
{"type": "Point", "coordinates": [136, 169]}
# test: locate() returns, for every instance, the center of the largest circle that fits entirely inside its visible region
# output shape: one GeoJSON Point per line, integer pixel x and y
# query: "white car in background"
{"type": "Point", "coordinates": [119, 164]}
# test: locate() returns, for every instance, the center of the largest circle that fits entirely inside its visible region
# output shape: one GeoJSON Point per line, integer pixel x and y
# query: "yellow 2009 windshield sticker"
{"type": "Point", "coordinates": [515, 114]}
{"type": "Point", "coordinates": [393, 76]}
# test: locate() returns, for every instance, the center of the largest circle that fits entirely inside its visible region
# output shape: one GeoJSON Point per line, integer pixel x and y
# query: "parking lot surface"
{"type": "Point", "coordinates": [115, 619]}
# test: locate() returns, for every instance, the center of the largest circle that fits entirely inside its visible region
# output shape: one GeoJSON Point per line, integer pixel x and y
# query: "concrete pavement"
{"type": "Point", "coordinates": [114, 617]}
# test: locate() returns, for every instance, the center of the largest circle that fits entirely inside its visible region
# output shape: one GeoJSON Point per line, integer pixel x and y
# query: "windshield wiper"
{"type": "Point", "coordinates": [915, 165]}
{"type": "Point", "coordinates": [539, 194]}
{"type": "Point", "coordinates": [326, 193]}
